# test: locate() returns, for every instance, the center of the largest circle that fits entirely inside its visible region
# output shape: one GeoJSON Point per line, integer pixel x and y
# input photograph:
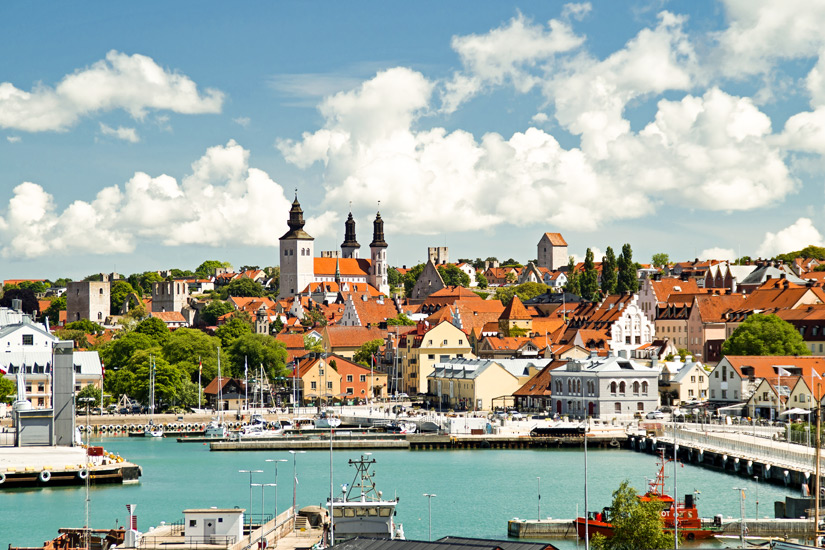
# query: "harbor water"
{"type": "Point", "coordinates": [477, 491]}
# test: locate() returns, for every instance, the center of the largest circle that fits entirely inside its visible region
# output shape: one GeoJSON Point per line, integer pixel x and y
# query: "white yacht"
{"type": "Point", "coordinates": [327, 420]}
{"type": "Point", "coordinates": [362, 510]}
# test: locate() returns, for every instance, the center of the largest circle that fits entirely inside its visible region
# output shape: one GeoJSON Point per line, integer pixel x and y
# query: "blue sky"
{"type": "Point", "coordinates": [154, 135]}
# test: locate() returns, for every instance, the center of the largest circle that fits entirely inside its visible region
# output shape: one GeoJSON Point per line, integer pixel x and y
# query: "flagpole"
{"type": "Point", "coordinates": [200, 387]}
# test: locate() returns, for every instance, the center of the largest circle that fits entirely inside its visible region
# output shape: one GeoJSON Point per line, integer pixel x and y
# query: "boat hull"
{"type": "Point", "coordinates": [606, 529]}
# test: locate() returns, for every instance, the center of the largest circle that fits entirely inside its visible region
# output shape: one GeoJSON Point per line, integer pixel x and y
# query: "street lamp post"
{"type": "Point", "coordinates": [741, 513]}
{"type": "Point", "coordinates": [261, 539]}
{"type": "Point", "coordinates": [430, 514]}
{"type": "Point", "coordinates": [276, 461]}
{"type": "Point", "coordinates": [87, 400]}
{"type": "Point", "coordinates": [295, 478]}
{"type": "Point", "coordinates": [538, 517]}
{"type": "Point", "coordinates": [757, 496]}
{"type": "Point", "coordinates": [250, 472]}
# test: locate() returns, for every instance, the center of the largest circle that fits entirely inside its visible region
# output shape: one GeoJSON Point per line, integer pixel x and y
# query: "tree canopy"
{"type": "Point", "coordinates": [411, 277]}
{"type": "Point", "coordinates": [481, 280]}
{"type": "Point", "coordinates": [118, 292]}
{"type": "Point", "coordinates": [257, 349]}
{"type": "Point", "coordinates": [400, 320]}
{"type": "Point", "coordinates": [207, 268]}
{"type": "Point", "coordinates": [57, 305]}
{"type": "Point", "coordinates": [608, 279]}
{"type": "Point", "coordinates": [589, 281]}
{"type": "Point", "coordinates": [637, 525]}
{"type": "Point", "coordinates": [452, 276]}
{"type": "Point", "coordinates": [809, 251]}
{"type": "Point", "coordinates": [234, 328]}
{"type": "Point", "coordinates": [209, 315]}
{"type": "Point", "coordinates": [627, 279]}
{"type": "Point", "coordinates": [660, 259]}
{"type": "Point", "coordinates": [87, 326]}
{"type": "Point", "coordinates": [29, 301]}
{"type": "Point", "coordinates": [573, 278]}
{"type": "Point", "coordinates": [362, 355]}
{"type": "Point", "coordinates": [243, 287]}
{"type": "Point", "coordinates": [524, 291]}
{"type": "Point", "coordinates": [7, 390]}
{"type": "Point", "coordinates": [155, 329]}
{"type": "Point", "coordinates": [765, 334]}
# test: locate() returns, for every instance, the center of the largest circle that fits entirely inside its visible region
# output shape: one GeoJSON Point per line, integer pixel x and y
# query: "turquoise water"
{"type": "Point", "coordinates": [477, 491]}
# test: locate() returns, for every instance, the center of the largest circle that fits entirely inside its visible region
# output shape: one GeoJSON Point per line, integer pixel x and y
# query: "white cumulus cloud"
{"type": "Point", "coordinates": [717, 253]}
{"type": "Point", "coordinates": [121, 132]}
{"type": "Point", "coordinates": [794, 237]}
{"type": "Point", "coordinates": [133, 83]}
{"type": "Point", "coordinates": [223, 202]}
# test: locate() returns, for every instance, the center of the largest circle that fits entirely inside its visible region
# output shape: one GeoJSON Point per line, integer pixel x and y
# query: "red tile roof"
{"type": "Point", "coordinates": [348, 267]}
{"type": "Point", "coordinates": [556, 239]}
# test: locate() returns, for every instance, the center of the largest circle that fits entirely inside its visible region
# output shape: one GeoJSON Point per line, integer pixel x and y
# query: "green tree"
{"type": "Point", "coordinates": [117, 352]}
{"type": "Point", "coordinates": [452, 276]}
{"type": "Point", "coordinates": [660, 260]}
{"type": "Point", "coordinates": [589, 281]}
{"type": "Point", "coordinates": [118, 292]}
{"type": "Point", "coordinates": [608, 280]}
{"type": "Point", "coordinates": [29, 301]}
{"type": "Point", "coordinates": [207, 268]}
{"type": "Point", "coordinates": [57, 305]}
{"type": "Point", "coordinates": [411, 277]}
{"type": "Point", "coordinates": [524, 291]}
{"type": "Point", "coordinates": [274, 274]}
{"type": "Point", "coordinates": [257, 349]}
{"type": "Point", "coordinates": [809, 251]}
{"type": "Point", "coordinates": [232, 329]}
{"type": "Point", "coordinates": [155, 329]}
{"type": "Point", "coordinates": [79, 337]}
{"type": "Point", "coordinates": [763, 334]}
{"type": "Point", "coordinates": [243, 287]}
{"type": "Point", "coordinates": [89, 391]}
{"type": "Point", "coordinates": [511, 278]}
{"type": "Point", "coordinates": [186, 347]}
{"type": "Point", "coordinates": [181, 273]}
{"type": "Point", "coordinates": [38, 287]}
{"type": "Point", "coordinates": [481, 280]}
{"type": "Point", "coordinates": [87, 326]}
{"type": "Point", "coordinates": [143, 282]}
{"type": "Point", "coordinates": [209, 315]}
{"type": "Point", "coordinates": [627, 280]}
{"type": "Point", "coordinates": [400, 320]}
{"type": "Point", "coordinates": [314, 318]}
{"type": "Point", "coordinates": [364, 353]}
{"type": "Point", "coordinates": [313, 344]}
{"type": "Point", "coordinates": [572, 285]}
{"type": "Point", "coordinates": [170, 380]}
{"type": "Point", "coordinates": [8, 391]}
{"type": "Point", "coordinates": [394, 278]}
{"type": "Point", "coordinates": [637, 525]}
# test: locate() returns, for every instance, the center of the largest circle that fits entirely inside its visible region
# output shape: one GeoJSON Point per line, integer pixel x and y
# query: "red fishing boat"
{"type": "Point", "coordinates": [690, 526]}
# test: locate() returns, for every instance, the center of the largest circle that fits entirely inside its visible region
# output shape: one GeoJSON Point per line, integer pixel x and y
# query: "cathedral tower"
{"type": "Point", "coordinates": [349, 248]}
{"type": "Point", "coordinates": [378, 251]}
{"type": "Point", "coordinates": [297, 254]}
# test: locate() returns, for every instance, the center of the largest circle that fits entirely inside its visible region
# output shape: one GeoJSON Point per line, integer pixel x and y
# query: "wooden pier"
{"type": "Point", "coordinates": [51, 466]}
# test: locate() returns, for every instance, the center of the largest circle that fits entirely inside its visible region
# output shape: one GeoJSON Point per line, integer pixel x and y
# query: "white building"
{"type": "Point", "coordinates": [223, 526]}
{"type": "Point", "coordinates": [611, 387]}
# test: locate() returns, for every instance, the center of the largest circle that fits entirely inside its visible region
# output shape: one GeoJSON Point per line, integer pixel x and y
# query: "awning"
{"type": "Point", "coordinates": [795, 410]}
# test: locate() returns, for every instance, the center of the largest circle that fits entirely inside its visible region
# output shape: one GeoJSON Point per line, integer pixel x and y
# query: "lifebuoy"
{"type": "Point", "coordinates": [45, 476]}
{"type": "Point", "coordinates": [691, 536]}
{"type": "Point", "coordinates": [83, 473]}
{"type": "Point", "coordinates": [2, 478]}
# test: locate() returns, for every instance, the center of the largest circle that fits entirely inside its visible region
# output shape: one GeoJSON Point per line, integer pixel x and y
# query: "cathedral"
{"type": "Point", "coordinates": [300, 267]}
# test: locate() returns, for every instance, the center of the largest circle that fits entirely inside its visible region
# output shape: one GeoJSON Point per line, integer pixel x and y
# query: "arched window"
{"type": "Point", "coordinates": [613, 387]}
{"type": "Point", "coordinates": [622, 387]}
{"type": "Point", "coordinates": [644, 388]}
{"type": "Point", "coordinates": [578, 386]}
{"type": "Point", "coordinates": [569, 387]}
{"type": "Point", "coordinates": [635, 387]}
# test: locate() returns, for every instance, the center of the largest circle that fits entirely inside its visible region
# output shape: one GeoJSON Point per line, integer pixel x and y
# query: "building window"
{"type": "Point", "coordinates": [724, 394]}
{"type": "Point", "coordinates": [362, 378]}
{"type": "Point", "coordinates": [329, 385]}
{"type": "Point", "coordinates": [644, 388]}
{"type": "Point", "coordinates": [350, 391]}
{"type": "Point", "coordinates": [28, 339]}
{"type": "Point", "coordinates": [617, 407]}
{"type": "Point", "coordinates": [713, 394]}
{"type": "Point", "coordinates": [690, 393]}
{"type": "Point", "coordinates": [193, 523]}
{"type": "Point", "coordinates": [613, 388]}
{"type": "Point", "coordinates": [693, 379]}
{"type": "Point", "coordinates": [636, 388]}
{"type": "Point", "coordinates": [445, 342]}
{"type": "Point", "coordinates": [431, 356]}
{"type": "Point", "coordinates": [313, 385]}
{"type": "Point", "coordinates": [349, 378]}
{"type": "Point", "coordinates": [461, 342]}
{"type": "Point", "coordinates": [701, 379]}
{"type": "Point", "coordinates": [622, 388]}
{"type": "Point", "coordinates": [640, 406]}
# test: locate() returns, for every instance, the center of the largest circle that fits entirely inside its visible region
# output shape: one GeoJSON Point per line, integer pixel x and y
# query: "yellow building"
{"type": "Point", "coordinates": [424, 346]}
{"type": "Point", "coordinates": [319, 382]}
{"type": "Point", "coordinates": [480, 384]}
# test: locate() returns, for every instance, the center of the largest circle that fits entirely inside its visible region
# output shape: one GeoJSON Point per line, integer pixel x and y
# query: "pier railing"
{"type": "Point", "coordinates": [780, 453]}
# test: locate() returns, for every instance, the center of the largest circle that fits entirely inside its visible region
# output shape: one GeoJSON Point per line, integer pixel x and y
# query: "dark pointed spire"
{"type": "Point", "coordinates": [296, 222]}
{"type": "Point", "coordinates": [337, 271]}
{"type": "Point", "coordinates": [349, 234]}
{"type": "Point", "coordinates": [378, 233]}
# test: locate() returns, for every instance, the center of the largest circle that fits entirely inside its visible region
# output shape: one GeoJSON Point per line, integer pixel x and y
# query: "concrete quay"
{"type": "Point", "coordinates": [49, 466]}
{"type": "Point", "coordinates": [765, 527]}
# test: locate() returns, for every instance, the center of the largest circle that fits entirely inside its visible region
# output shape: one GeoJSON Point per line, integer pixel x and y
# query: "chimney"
{"type": "Point", "coordinates": [17, 305]}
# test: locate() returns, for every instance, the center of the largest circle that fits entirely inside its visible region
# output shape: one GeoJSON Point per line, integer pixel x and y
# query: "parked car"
{"type": "Point", "coordinates": [655, 415]}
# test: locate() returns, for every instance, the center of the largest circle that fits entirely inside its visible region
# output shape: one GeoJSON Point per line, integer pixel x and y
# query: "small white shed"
{"type": "Point", "coordinates": [213, 525]}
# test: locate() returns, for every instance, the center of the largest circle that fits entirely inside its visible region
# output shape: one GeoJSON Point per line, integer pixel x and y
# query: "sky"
{"type": "Point", "coordinates": [154, 135]}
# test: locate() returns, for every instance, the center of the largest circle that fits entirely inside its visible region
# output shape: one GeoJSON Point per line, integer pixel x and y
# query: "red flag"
{"type": "Point", "coordinates": [200, 367]}
{"type": "Point", "coordinates": [102, 371]}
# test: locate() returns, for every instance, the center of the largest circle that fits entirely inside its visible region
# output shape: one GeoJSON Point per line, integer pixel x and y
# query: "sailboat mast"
{"type": "Point", "coordinates": [818, 439]}
{"type": "Point", "coordinates": [675, 490]}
